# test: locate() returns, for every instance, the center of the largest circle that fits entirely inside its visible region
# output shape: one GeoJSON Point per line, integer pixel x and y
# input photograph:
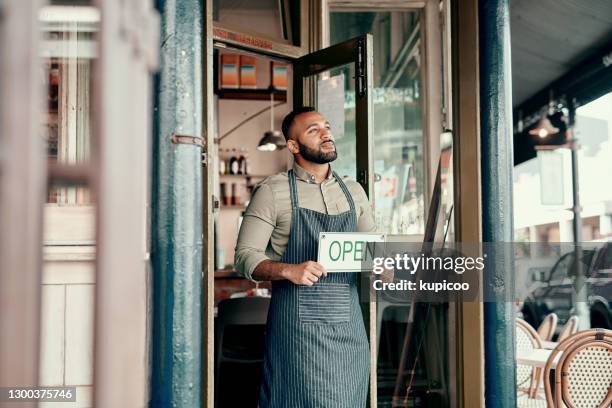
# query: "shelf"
{"type": "Point", "coordinates": [252, 94]}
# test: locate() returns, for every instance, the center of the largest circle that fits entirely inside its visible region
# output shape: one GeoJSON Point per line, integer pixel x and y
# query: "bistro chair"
{"type": "Point", "coordinates": [548, 327]}
{"type": "Point", "coordinates": [571, 327]}
{"type": "Point", "coordinates": [583, 373]}
{"type": "Point", "coordinates": [239, 340]}
{"type": "Point", "coordinates": [527, 339]}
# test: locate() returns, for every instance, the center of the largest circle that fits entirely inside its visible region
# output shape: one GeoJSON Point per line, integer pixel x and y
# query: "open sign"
{"type": "Point", "coordinates": [347, 252]}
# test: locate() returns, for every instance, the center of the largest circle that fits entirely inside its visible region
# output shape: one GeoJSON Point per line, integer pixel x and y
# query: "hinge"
{"type": "Point", "coordinates": [191, 140]}
{"type": "Point", "coordinates": [361, 69]}
{"type": "Point", "coordinates": [363, 178]}
{"type": "Point", "coordinates": [184, 139]}
{"type": "Point", "coordinates": [215, 204]}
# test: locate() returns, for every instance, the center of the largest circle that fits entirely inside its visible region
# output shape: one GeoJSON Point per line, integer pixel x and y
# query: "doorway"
{"type": "Point", "coordinates": [252, 92]}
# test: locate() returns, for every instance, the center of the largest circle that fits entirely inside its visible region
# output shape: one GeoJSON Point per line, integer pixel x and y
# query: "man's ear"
{"type": "Point", "coordinates": [293, 147]}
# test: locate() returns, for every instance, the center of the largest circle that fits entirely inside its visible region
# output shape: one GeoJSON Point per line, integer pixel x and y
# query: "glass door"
{"type": "Point", "coordinates": [337, 82]}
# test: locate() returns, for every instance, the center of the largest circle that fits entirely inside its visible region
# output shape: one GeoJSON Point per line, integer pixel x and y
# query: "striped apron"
{"type": "Point", "coordinates": [316, 352]}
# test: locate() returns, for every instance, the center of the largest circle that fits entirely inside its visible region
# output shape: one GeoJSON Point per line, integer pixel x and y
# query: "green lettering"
{"type": "Point", "coordinates": [339, 250]}
{"type": "Point", "coordinates": [358, 251]}
{"type": "Point", "coordinates": [348, 247]}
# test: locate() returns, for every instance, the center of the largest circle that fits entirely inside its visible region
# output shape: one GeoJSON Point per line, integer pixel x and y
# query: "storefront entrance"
{"type": "Point", "coordinates": [384, 85]}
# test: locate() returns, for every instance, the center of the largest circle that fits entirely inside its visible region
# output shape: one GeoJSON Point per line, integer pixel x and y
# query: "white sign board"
{"type": "Point", "coordinates": [552, 177]}
{"type": "Point", "coordinates": [346, 252]}
{"type": "Point", "coordinates": [330, 102]}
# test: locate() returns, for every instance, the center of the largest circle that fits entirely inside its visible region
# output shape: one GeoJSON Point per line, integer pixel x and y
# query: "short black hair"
{"type": "Point", "coordinates": [290, 118]}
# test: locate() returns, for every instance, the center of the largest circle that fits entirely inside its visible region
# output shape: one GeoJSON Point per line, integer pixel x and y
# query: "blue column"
{"type": "Point", "coordinates": [176, 232]}
{"type": "Point", "coordinates": [497, 167]}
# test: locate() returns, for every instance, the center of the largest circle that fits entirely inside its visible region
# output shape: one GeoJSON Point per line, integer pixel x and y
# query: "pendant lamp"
{"type": "Point", "coordinates": [272, 139]}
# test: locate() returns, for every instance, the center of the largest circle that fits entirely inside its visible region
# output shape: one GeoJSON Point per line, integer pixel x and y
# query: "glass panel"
{"type": "Point", "coordinates": [335, 99]}
{"type": "Point", "coordinates": [68, 49]}
{"type": "Point", "coordinates": [397, 116]}
{"type": "Point", "coordinates": [335, 90]}
{"type": "Point", "coordinates": [266, 17]}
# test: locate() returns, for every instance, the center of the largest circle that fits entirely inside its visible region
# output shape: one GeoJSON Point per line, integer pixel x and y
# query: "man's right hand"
{"type": "Point", "coordinates": [307, 273]}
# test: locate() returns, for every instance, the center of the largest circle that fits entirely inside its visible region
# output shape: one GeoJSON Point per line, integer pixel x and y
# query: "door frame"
{"type": "Point", "coordinates": [365, 168]}
{"type": "Point", "coordinates": [23, 177]}
{"type": "Point", "coordinates": [464, 119]}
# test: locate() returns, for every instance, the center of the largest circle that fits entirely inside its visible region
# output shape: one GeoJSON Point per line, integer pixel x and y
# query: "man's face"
{"type": "Point", "coordinates": [311, 137]}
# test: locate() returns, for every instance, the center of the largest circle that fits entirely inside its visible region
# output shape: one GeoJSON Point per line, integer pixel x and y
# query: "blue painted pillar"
{"type": "Point", "coordinates": [176, 232]}
{"type": "Point", "coordinates": [497, 167]}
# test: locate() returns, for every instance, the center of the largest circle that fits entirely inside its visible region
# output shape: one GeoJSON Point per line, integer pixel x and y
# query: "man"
{"type": "Point", "coordinates": [316, 352]}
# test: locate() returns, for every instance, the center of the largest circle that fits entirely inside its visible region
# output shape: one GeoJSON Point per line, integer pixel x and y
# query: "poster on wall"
{"type": "Point", "coordinates": [229, 71]}
{"type": "Point", "coordinates": [248, 72]}
{"type": "Point", "coordinates": [279, 75]}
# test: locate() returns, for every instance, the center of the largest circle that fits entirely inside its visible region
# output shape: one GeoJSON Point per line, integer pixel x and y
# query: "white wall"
{"type": "Point", "coordinates": [67, 309]}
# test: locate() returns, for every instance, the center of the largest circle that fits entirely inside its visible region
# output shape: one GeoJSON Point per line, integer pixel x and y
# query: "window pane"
{"type": "Point", "coordinates": [397, 116]}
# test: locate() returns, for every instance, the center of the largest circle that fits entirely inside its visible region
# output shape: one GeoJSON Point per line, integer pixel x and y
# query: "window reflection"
{"type": "Point", "coordinates": [397, 116]}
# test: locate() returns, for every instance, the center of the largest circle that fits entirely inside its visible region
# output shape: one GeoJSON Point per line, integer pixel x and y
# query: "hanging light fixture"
{"type": "Point", "coordinates": [272, 139]}
{"type": "Point", "coordinates": [544, 128]}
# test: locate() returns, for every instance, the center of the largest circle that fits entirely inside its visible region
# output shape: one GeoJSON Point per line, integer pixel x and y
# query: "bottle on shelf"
{"type": "Point", "coordinates": [243, 166]}
{"type": "Point", "coordinates": [227, 162]}
{"type": "Point", "coordinates": [221, 162]}
{"type": "Point", "coordinates": [235, 200]}
{"type": "Point", "coordinates": [225, 198]}
{"type": "Point", "coordinates": [234, 163]}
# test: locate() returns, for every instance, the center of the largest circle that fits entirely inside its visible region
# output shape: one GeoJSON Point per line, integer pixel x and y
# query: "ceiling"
{"type": "Point", "coordinates": [549, 37]}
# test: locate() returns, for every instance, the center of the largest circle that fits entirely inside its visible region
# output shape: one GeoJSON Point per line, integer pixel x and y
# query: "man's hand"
{"type": "Point", "coordinates": [307, 273]}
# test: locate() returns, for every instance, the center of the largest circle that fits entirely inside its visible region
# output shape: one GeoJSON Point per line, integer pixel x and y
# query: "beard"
{"type": "Point", "coordinates": [317, 156]}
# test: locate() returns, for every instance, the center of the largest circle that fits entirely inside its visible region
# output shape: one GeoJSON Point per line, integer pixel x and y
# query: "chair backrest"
{"type": "Point", "coordinates": [243, 311]}
{"type": "Point", "coordinates": [583, 372]}
{"type": "Point", "coordinates": [527, 339]}
{"type": "Point", "coordinates": [548, 327]}
{"type": "Point", "coordinates": [586, 375]}
{"type": "Point", "coordinates": [571, 327]}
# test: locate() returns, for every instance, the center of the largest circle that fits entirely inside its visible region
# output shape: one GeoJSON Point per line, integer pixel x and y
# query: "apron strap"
{"type": "Point", "coordinates": [344, 188]}
{"type": "Point", "coordinates": [293, 190]}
